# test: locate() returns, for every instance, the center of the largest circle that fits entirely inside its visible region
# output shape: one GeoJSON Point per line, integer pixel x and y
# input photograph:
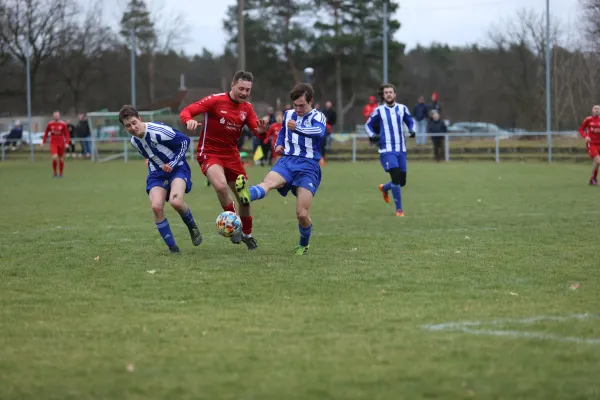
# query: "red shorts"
{"type": "Point", "coordinates": [57, 149]}
{"type": "Point", "coordinates": [593, 150]}
{"type": "Point", "coordinates": [232, 165]}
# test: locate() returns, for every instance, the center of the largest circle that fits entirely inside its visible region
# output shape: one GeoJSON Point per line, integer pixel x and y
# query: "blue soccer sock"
{"type": "Point", "coordinates": [387, 186]}
{"type": "Point", "coordinates": [188, 219]}
{"type": "Point", "coordinates": [304, 234]}
{"type": "Point", "coordinates": [257, 192]}
{"type": "Point", "coordinates": [397, 193]}
{"type": "Point", "coordinates": [165, 232]}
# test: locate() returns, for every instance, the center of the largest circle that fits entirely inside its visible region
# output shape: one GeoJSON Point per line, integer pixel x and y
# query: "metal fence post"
{"type": "Point", "coordinates": [125, 147]}
{"type": "Point", "coordinates": [2, 151]}
{"type": "Point", "coordinates": [497, 148]}
{"type": "Point", "coordinates": [550, 147]}
{"type": "Point", "coordinates": [353, 148]}
{"type": "Point", "coordinates": [447, 146]}
{"type": "Point", "coordinates": [93, 139]}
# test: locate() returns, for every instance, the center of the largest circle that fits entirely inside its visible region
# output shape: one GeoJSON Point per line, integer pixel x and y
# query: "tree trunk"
{"type": "Point", "coordinates": [151, 75]}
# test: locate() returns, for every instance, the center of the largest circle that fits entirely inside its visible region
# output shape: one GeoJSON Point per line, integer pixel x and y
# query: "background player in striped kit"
{"type": "Point", "coordinates": [169, 175]}
{"type": "Point", "coordinates": [385, 128]}
{"type": "Point", "coordinates": [298, 169]}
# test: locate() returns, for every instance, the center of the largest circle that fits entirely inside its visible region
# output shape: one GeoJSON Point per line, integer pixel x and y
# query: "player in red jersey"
{"type": "Point", "coordinates": [225, 114]}
{"type": "Point", "coordinates": [272, 133]}
{"type": "Point", "coordinates": [369, 107]}
{"type": "Point", "coordinates": [590, 131]}
{"type": "Point", "coordinates": [59, 139]}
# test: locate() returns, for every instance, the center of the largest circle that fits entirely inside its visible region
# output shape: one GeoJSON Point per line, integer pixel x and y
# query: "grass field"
{"type": "Point", "coordinates": [499, 245]}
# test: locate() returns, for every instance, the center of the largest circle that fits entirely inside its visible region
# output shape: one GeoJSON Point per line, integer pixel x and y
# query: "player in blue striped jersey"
{"type": "Point", "coordinates": [298, 170]}
{"type": "Point", "coordinates": [169, 175]}
{"type": "Point", "coordinates": [385, 128]}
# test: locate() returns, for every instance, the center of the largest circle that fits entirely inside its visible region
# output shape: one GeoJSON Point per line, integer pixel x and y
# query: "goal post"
{"type": "Point", "coordinates": [109, 138]}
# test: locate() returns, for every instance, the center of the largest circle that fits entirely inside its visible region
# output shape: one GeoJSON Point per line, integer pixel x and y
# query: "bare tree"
{"type": "Point", "coordinates": [43, 24]}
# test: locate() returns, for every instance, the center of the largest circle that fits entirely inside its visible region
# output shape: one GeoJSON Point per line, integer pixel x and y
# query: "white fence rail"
{"type": "Point", "coordinates": [348, 145]}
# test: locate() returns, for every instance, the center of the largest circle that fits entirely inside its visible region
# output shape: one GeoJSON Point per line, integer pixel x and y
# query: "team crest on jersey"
{"type": "Point", "coordinates": [307, 123]}
{"type": "Point", "coordinates": [243, 115]}
{"type": "Point", "coordinates": [222, 121]}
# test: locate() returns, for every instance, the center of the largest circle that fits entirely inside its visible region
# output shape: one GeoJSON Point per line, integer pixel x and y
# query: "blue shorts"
{"type": "Point", "coordinates": [393, 160]}
{"type": "Point", "coordinates": [298, 172]}
{"type": "Point", "coordinates": [164, 179]}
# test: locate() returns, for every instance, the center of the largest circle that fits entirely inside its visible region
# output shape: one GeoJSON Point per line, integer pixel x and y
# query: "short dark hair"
{"type": "Point", "coordinates": [243, 75]}
{"type": "Point", "coordinates": [302, 89]}
{"type": "Point", "coordinates": [127, 111]}
{"type": "Point", "coordinates": [385, 86]}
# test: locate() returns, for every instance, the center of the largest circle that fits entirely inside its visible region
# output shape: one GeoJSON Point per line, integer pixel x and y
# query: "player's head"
{"type": "Point", "coordinates": [435, 115]}
{"type": "Point", "coordinates": [302, 96]}
{"type": "Point", "coordinates": [387, 93]}
{"type": "Point", "coordinates": [279, 117]}
{"type": "Point", "coordinates": [241, 86]}
{"type": "Point", "coordinates": [130, 119]}
{"type": "Point", "coordinates": [372, 100]}
{"type": "Point", "coordinates": [56, 115]}
{"type": "Point", "coordinates": [596, 110]}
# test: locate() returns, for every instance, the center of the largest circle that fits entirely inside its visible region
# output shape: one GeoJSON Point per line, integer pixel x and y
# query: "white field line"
{"type": "Point", "coordinates": [468, 327]}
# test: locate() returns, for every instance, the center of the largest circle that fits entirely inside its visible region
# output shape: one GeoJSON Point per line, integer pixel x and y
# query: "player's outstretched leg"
{"type": "Point", "coordinates": [178, 188]}
{"type": "Point", "coordinates": [384, 189]}
{"type": "Point", "coordinates": [158, 196]}
{"type": "Point", "coordinates": [397, 182]}
{"type": "Point", "coordinates": [303, 200]}
{"type": "Point", "coordinates": [216, 176]}
{"type": "Point", "coordinates": [272, 180]}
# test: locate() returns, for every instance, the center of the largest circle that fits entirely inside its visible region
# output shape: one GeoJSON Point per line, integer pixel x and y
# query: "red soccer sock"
{"type": "Point", "coordinates": [230, 207]}
{"type": "Point", "coordinates": [62, 166]}
{"type": "Point", "coordinates": [54, 162]}
{"type": "Point", "coordinates": [246, 225]}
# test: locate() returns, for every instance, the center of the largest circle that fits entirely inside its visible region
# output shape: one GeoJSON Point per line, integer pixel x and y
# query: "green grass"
{"type": "Point", "coordinates": [480, 242]}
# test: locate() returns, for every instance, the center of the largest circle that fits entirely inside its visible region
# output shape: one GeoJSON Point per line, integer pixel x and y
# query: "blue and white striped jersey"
{"type": "Point", "coordinates": [162, 145]}
{"type": "Point", "coordinates": [305, 140]}
{"type": "Point", "coordinates": [387, 122]}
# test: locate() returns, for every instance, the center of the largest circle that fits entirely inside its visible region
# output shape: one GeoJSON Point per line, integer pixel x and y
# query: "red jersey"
{"type": "Point", "coordinates": [368, 110]}
{"type": "Point", "coordinates": [224, 119]}
{"type": "Point", "coordinates": [59, 133]}
{"type": "Point", "coordinates": [273, 132]}
{"type": "Point", "coordinates": [591, 127]}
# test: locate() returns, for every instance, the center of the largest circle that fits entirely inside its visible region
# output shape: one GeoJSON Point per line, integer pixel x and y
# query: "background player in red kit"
{"type": "Point", "coordinates": [59, 139]}
{"type": "Point", "coordinates": [225, 114]}
{"type": "Point", "coordinates": [272, 133]}
{"type": "Point", "coordinates": [590, 131]}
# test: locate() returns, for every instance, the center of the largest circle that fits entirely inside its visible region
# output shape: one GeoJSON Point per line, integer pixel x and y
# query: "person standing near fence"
{"type": "Point", "coordinates": [420, 116]}
{"type": "Point", "coordinates": [590, 131]}
{"type": "Point", "coordinates": [59, 139]}
{"type": "Point", "coordinates": [436, 127]}
{"type": "Point", "coordinates": [83, 133]}
{"type": "Point", "coordinates": [71, 147]}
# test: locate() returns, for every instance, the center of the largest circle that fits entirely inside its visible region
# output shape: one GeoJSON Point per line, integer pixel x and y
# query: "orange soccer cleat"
{"type": "Point", "coordinates": [399, 213]}
{"type": "Point", "coordinates": [386, 196]}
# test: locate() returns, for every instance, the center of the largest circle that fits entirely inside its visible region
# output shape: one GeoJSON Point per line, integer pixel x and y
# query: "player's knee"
{"type": "Point", "coordinates": [176, 201]}
{"type": "Point", "coordinates": [302, 215]}
{"type": "Point", "coordinates": [157, 208]}
{"type": "Point", "coordinates": [221, 187]}
{"type": "Point", "coordinates": [402, 179]}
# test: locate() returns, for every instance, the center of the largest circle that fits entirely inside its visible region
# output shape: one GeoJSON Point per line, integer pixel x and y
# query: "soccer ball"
{"type": "Point", "coordinates": [228, 224]}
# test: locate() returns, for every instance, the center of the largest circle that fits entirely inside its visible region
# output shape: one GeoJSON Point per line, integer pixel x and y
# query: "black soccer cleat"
{"type": "Point", "coordinates": [174, 249]}
{"type": "Point", "coordinates": [250, 242]}
{"type": "Point", "coordinates": [236, 238]}
{"type": "Point", "coordinates": [195, 235]}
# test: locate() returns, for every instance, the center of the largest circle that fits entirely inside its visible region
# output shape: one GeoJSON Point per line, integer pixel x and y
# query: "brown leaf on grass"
{"type": "Point", "coordinates": [467, 308]}
{"type": "Point", "coordinates": [575, 286]}
{"type": "Point", "coordinates": [97, 258]}
{"type": "Point", "coordinates": [514, 294]}
{"type": "Point", "coordinates": [130, 367]}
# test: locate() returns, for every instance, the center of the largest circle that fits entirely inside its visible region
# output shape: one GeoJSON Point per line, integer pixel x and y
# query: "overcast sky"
{"type": "Point", "coordinates": [455, 22]}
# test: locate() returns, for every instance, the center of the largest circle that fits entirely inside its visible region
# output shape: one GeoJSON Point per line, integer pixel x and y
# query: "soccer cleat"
{"type": "Point", "coordinates": [301, 250]}
{"type": "Point", "coordinates": [241, 185]}
{"type": "Point", "coordinates": [174, 249]}
{"type": "Point", "coordinates": [386, 196]}
{"type": "Point", "coordinates": [399, 213]}
{"type": "Point", "coordinates": [195, 235]}
{"type": "Point", "coordinates": [54, 176]}
{"type": "Point", "coordinates": [236, 238]}
{"type": "Point", "coordinates": [250, 242]}
{"type": "Point", "coordinates": [593, 181]}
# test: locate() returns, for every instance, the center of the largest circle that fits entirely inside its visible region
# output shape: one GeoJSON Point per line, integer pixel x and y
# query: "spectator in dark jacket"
{"type": "Point", "coordinates": [72, 134]}
{"type": "Point", "coordinates": [83, 133]}
{"type": "Point", "coordinates": [331, 117]}
{"type": "Point", "coordinates": [420, 116]}
{"type": "Point", "coordinates": [435, 105]}
{"type": "Point", "coordinates": [436, 127]}
{"type": "Point", "coordinates": [15, 137]}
